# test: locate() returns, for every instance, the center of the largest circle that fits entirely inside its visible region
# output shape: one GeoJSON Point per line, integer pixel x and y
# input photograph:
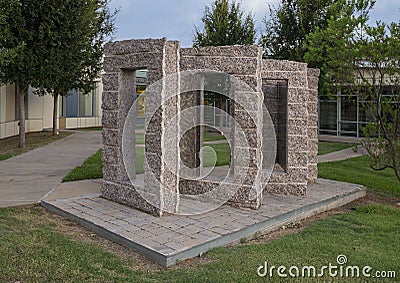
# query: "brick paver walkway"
{"type": "Point", "coordinates": [171, 238]}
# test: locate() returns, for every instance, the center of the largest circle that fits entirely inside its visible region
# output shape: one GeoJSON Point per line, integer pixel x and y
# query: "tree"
{"type": "Point", "coordinates": [74, 33]}
{"type": "Point", "coordinates": [365, 59]}
{"type": "Point", "coordinates": [288, 25]}
{"type": "Point", "coordinates": [225, 24]}
{"type": "Point", "coordinates": [20, 53]}
{"type": "Point", "coordinates": [53, 46]}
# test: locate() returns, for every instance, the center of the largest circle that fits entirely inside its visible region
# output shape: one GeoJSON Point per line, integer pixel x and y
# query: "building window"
{"type": "Point", "coordinates": [328, 112]}
{"type": "Point", "coordinates": [346, 114]}
{"type": "Point", "coordinates": [86, 104]}
{"type": "Point", "coordinates": [217, 116]}
{"type": "Point", "coordinates": [10, 103]}
{"type": "Point", "coordinates": [77, 104]}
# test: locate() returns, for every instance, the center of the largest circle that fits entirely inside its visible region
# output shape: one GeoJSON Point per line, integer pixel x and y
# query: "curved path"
{"type": "Point", "coordinates": [29, 177]}
{"type": "Point", "coordinates": [341, 155]}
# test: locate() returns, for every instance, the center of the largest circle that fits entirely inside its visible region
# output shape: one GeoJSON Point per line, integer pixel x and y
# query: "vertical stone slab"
{"type": "Point", "coordinates": [170, 140]}
{"type": "Point", "coordinates": [188, 142]}
{"type": "Point", "coordinates": [244, 63]}
{"type": "Point", "coordinates": [312, 129]}
{"type": "Point", "coordinates": [111, 134]}
{"type": "Point", "coordinates": [295, 178]}
{"type": "Point", "coordinates": [127, 96]}
{"type": "Point", "coordinates": [121, 61]}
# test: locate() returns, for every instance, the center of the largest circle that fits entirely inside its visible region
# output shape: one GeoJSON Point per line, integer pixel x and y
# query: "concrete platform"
{"type": "Point", "coordinates": [175, 238]}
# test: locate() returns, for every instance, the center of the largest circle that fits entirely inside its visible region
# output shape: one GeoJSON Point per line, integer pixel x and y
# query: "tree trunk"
{"type": "Point", "coordinates": [21, 109]}
{"type": "Point", "coordinates": [55, 112]}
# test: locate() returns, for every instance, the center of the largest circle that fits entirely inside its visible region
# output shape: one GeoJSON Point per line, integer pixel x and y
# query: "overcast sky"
{"type": "Point", "coordinates": [175, 19]}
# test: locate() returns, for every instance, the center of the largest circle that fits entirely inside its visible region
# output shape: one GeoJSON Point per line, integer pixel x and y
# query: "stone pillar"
{"type": "Point", "coordinates": [295, 178]}
{"type": "Point", "coordinates": [312, 129]}
{"type": "Point", "coordinates": [122, 59]}
{"type": "Point", "coordinates": [164, 156]}
{"type": "Point", "coordinates": [245, 64]}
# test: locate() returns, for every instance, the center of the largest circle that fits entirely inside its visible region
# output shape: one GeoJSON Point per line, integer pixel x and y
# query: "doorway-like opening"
{"type": "Point", "coordinates": [276, 102]}
{"type": "Point", "coordinates": [203, 145]}
{"type": "Point", "coordinates": [140, 80]}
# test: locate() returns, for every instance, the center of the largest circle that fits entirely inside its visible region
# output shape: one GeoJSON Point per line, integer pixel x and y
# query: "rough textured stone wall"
{"type": "Point", "coordinates": [164, 58]}
{"type": "Point", "coordinates": [295, 179]}
{"type": "Point", "coordinates": [244, 63]}
{"type": "Point", "coordinates": [312, 104]}
{"type": "Point", "coordinates": [121, 61]}
{"type": "Point", "coordinates": [275, 100]}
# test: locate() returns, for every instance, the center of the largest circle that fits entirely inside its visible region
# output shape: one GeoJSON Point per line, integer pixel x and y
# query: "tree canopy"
{"type": "Point", "coordinates": [51, 45]}
{"type": "Point", "coordinates": [21, 56]}
{"type": "Point", "coordinates": [75, 34]}
{"type": "Point", "coordinates": [225, 24]}
{"type": "Point", "coordinates": [288, 24]}
{"type": "Point", "coordinates": [364, 58]}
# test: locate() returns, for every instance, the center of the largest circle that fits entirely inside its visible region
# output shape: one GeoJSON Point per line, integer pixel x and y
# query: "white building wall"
{"type": "Point", "coordinates": [40, 113]}
{"type": "Point", "coordinates": [2, 111]}
{"type": "Point", "coordinates": [47, 112]}
{"type": "Point", "coordinates": [35, 112]}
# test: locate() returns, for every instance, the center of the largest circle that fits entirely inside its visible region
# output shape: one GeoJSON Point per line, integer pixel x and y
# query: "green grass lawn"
{"type": "Point", "coordinates": [139, 159]}
{"type": "Point", "coordinates": [92, 168]}
{"type": "Point", "coordinates": [9, 146]}
{"type": "Point", "coordinates": [328, 147]}
{"type": "Point", "coordinates": [140, 139]}
{"type": "Point", "coordinates": [358, 171]}
{"type": "Point", "coordinates": [34, 250]}
{"type": "Point", "coordinates": [90, 129]}
{"type": "Point", "coordinates": [213, 136]}
{"type": "Point", "coordinates": [223, 155]}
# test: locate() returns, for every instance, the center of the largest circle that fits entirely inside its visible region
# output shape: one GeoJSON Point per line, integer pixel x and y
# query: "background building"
{"type": "Point", "coordinates": [76, 110]}
{"type": "Point", "coordinates": [346, 114]}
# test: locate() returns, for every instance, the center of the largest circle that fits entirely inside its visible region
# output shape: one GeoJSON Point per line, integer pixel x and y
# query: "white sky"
{"type": "Point", "coordinates": [175, 19]}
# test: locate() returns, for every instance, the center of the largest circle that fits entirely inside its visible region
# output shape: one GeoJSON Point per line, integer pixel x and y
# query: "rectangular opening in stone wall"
{"type": "Point", "coordinates": [216, 114]}
{"type": "Point", "coordinates": [126, 98]}
{"type": "Point", "coordinates": [276, 101]}
{"type": "Point", "coordinates": [140, 137]}
{"type": "Point", "coordinates": [190, 138]}
{"type": "Point", "coordinates": [216, 150]}
{"type": "Point", "coordinates": [217, 111]}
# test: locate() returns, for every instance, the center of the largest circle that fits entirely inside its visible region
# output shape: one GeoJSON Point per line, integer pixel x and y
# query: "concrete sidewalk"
{"type": "Point", "coordinates": [29, 177]}
{"type": "Point", "coordinates": [340, 139]}
{"type": "Point", "coordinates": [341, 155]}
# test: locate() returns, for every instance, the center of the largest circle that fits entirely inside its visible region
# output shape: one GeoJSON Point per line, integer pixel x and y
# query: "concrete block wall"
{"type": "Point", "coordinates": [121, 61]}
{"type": "Point", "coordinates": [242, 62]}
{"type": "Point", "coordinates": [164, 58]}
{"type": "Point", "coordinates": [294, 180]}
{"type": "Point", "coordinates": [312, 128]}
